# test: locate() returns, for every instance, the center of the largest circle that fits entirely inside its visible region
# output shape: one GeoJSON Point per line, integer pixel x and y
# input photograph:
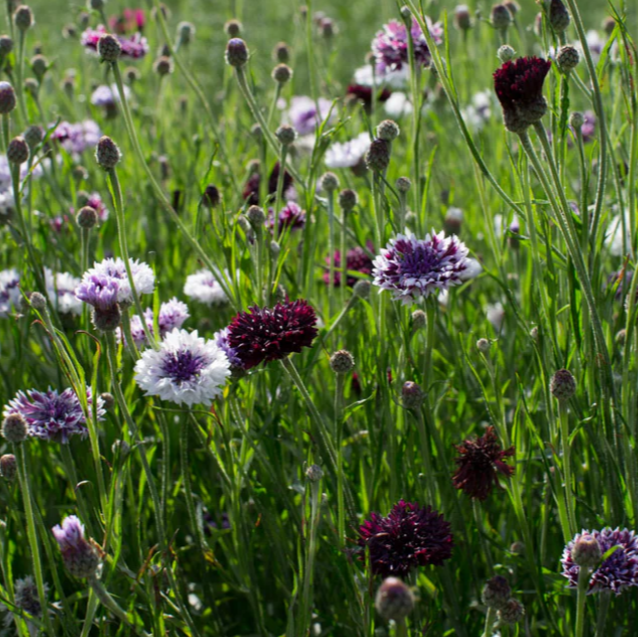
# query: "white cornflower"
{"type": "Point", "coordinates": [185, 370]}
{"type": "Point", "coordinates": [394, 79]}
{"type": "Point", "coordinates": [61, 288]}
{"type": "Point", "coordinates": [398, 105]}
{"type": "Point", "coordinates": [348, 154]}
{"type": "Point", "coordinates": [9, 290]}
{"type": "Point", "coordinates": [204, 287]}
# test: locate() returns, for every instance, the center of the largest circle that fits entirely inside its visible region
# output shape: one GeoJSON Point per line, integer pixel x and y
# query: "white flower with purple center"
{"type": "Point", "coordinates": [348, 154]}
{"type": "Point", "coordinates": [9, 291]}
{"type": "Point", "coordinates": [107, 283]}
{"type": "Point", "coordinates": [618, 572]}
{"type": "Point", "coordinates": [305, 117]}
{"type": "Point", "coordinates": [53, 416]}
{"type": "Point", "coordinates": [186, 369]}
{"type": "Point", "coordinates": [204, 287]}
{"type": "Point", "coordinates": [172, 315]}
{"type": "Point", "coordinates": [414, 268]}
{"type": "Point", "coordinates": [61, 288]}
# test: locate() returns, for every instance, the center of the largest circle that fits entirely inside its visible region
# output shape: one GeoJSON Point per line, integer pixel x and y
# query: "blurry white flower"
{"type": "Point", "coordinates": [347, 154]}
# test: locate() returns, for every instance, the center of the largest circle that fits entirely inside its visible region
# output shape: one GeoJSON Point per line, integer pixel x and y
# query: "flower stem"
{"type": "Point", "coordinates": [567, 474]}
{"type": "Point", "coordinates": [490, 618]}
{"type": "Point", "coordinates": [583, 585]}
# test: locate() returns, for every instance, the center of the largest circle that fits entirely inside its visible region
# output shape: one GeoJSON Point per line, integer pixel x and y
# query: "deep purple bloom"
{"type": "Point", "coordinates": [134, 47]}
{"type": "Point", "coordinates": [221, 340]}
{"type": "Point", "coordinates": [291, 216]}
{"type": "Point", "coordinates": [409, 537]}
{"type": "Point", "coordinates": [357, 260]}
{"type": "Point", "coordinates": [264, 334]}
{"type": "Point", "coordinates": [412, 268]}
{"type": "Point", "coordinates": [519, 88]}
{"type": "Point", "coordinates": [365, 94]}
{"type": "Point", "coordinates": [52, 416]}
{"type": "Point", "coordinates": [98, 290]}
{"type": "Point", "coordinates": [79, 556]}
{"type": "Point", "coordinates": [480, 463]}
{"type": "Point", "coordinates": [618, 572]}
{"type": "Point", "coordinates": [251, 189]}
{"type": "Point", "coordinates": [390, 45]}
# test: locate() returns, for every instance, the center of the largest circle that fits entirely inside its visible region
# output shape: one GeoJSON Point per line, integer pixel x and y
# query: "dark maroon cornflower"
{"type": "Point", "coordinates": [364, 94]}
{"type": "Point", "coordinates": [519, 88]}
{"type": "Point", "coordinates": [264, 334]}
{"type": "Point", "coordinates": [251, 189]}
{"type": "Point", "coordinates": [357, 260]}
{"type": "Point", "coordinates": [292, 216]}
{"type": "Point", "coordinates": [409, 537]}
{"type": "Point", "coordinates": [356, 384]}
{"type": "Point", "coordinates": [479, 464]}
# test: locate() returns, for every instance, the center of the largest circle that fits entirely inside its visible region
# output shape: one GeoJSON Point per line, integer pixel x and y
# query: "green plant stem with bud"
{"type": "Point", "coordinates": [331, 252]}
{"type": "Point", "coordinates": [567, 473]}
{"type": "Point", "coordinates": [311, 552]}
{"type": "Point", "coordinates": [581, 599]}
{"type": "Point", "coordinates": [19, 70]}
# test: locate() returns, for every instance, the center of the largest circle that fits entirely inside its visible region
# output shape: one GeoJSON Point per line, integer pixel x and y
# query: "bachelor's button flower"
{"type": "Point", "coordinates": [9, 291]}
{"type": "Point", "coordinates": [348, 154]}
{"type": "Point", "coordinates": [304, 115]}
{"type": "Point", "coordinates": [61, 288]}
{"type": "Point", "coordinates": [203, 286]}
{"type": "Point", "coordinates": [357, 260]}
{"type": "Point", "coordinates": [133, 47]}
{"type": "Point", "coordinates": [79, 556]}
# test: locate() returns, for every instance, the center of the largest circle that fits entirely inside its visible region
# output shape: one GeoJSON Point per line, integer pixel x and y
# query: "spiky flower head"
{"type": "Point", "coordinates": [51, 415]}
{"type": "Point", "coordinates": [186, 369]}
{"type": "Point", "coordinates": [617, 573]}
{"type": "Point", "coordinates": [481, 462]}
{"type": "Point", "coordinates": [410, 536]}
{"type": "Point", "coordinates": [414, 268]}
{"type": "Point", "coordinates": [390, 45]}
{"type": "Point", "coordinates": [496, 592]}
{"type": "Point", "coordinates": [394, 599]}
{"type": "Point", "coordinates": [107, 153]}
{"type": "Point", "coordinates": [519, 88]}
{"type": "Point", "coordinates": [511, 613]}
{"type": "Point", "coordinates": [236, 53]}
{"type": "Point", "coordinates": [80, 557]}
{"type": "Point", "coordinates": [262, 335]}
{"type": "Point", "coordinates": [8, 466]}
{"type": "Point", "coordinates": [559, 18]}
{"type": "Point", "coordinates": [109, 48]}
{"type": "Point", "coordinates": [562, 385]}
{"type": "Point", "coordinates": [14, 428]}
{"type": "Point", "coordinates": [342, 362]}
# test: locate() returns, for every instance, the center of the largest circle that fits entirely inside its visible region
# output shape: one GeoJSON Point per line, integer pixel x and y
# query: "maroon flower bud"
{"type": "Point", "coordinates": [107, 153]}
{"type": "Point", "coordinates": [236, 53]}
{"type": "Point", "coordinates": [233, 28]}
{"type": "Point", "coordinates": [558, 16]}
{"type": "Point", "coordinates": [378, 156]}
{"type": "Point", "coordinates": [17, 151]}
{"type": "Point", "coordinates": [7, 98]}
{"type": "Point", "coordinates": [563, 385]}
{"type": "Point", "coordinates": [87, 217]}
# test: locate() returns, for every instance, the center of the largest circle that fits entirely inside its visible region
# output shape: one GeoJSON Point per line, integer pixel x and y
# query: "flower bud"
{"type": "Point", "coordinates": [8, 466]}
{"type": "Point", "coordinates": [282, 73]}
{"type": "Point", "coordinates": [23, 18]}
{"type": "Point", "coordinates": [17, 151]}
{"type": "Point", "coordinates": [7, 98]}
{"type": "Point", "coordinates": [163, 65]}
{"type": "Point", "coordinates": [586, 551]}
{"type": "Point", "coordinates": [281, 53]}
{"type": "Point", "coordinates": [362, 289]}
{"type": "Point", "coordinates": [378, 156]}
{"type": "Point", "coordinates": [412, 395]}
{"type": "Point", "coordinates": [403, 185]}
{"type": "Point", "coordinates": [483, 345]}
{"type": "Point", "coordinates": [106, 320]}
{"type": "Point", "coordinates": [38, 302]}
{"type": "Point", "coordinates": [236, 53]}
{"type": "Point", "coordinates": [419, 320]}
{"type": "Point", "coordinates": [286, 134]}
{"type": "Point", "coordinates": [496, 592]}
{"type": "Point", "coordinates": [462, 18]}
{"type": "Point", "coordinates": [33, 136]}
{"type": "Point", "coordinates": [256, 217]}
{"type": "Point", "coordinates": [6, 46]}
{"type": "Point", "coordinates": [107, 153]}
{"type": "Point", "coordinates": [576, 120]}
{"type": "Point", "coordinates": [388, 130]}
{"type": "Point", "coordinates": [14, 428]}
{"type": "Point", "coordinates": [453, 220]}
{"type": "Point", "coordinates": [558, 16]}
{"type": "Point", "coordinates": [394, 599]}
{"type": "Point", "coordinates": [562, 385]}
{"type": "Point", "coordinates": [621, 337]}
{"type": "Point", "coordinates": [185, 33]}
{"type": "Point", "coordinates": [314, 473]}
{"type": "Point", "coordinates": [512, 612]}
{"type": "Point", "coordinates": [608, 25]}
{"type": "Point", "coordinates": [233, 28]}
{"type": "Point", "coordinates": [109, 48]}
{"type": "Point", "coordinates": [342, 362]}
{"type": "Point", "coordinates": [87, 217]}
{"type": "Point", "coordinates": [500, 17]}
{"type": "Point", "coordinates": [506, 53]}
{"type": "Point", "coordinates": [567, 58]}
{"type": "Point", "coordinates": [96, 5]}
{"type": "Point", "coordinates": [80, 557]}
{"type": "Point", "coordinates": [347, 199]}
{"type": "Point", "coordinates": [107, 400]}
{"type": "Point", "coordinates": [39, 66]}
{"type": "Point", "coordinates": [329, 182]}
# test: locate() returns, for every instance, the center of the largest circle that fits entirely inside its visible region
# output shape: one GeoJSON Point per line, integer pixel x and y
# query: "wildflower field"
{"type": "Point", "coordinates": [318, 320]}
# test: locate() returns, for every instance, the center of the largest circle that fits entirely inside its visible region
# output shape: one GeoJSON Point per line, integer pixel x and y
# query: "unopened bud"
{"type": "Point", "coordinates": [87, 217]}
{"type": "Point", "coordinates": [347, 199]}
{"type": "Point", "coordinates": [586, 551]}
{"type": "Point", "coordinates": [236, 53]}
{"type": "Point", "coordinates": [506, 53]}
{"type": "Point", "coordinates": [412, 395]}
{"type": "Point", "coordinates": [394, 600]}
{"type": "Point", "coordinates": [282, 73]}
{"type": "Point", "coordinates": [109, 48]}
{"type": "Point", "coordinates": [496, 592]}
{"type": "Point", "coordinates": [107, 153]}
{"type": "Point", "coordinates": [17, 151]}
{"type": "Point", "coordinates": [8, 467]}
{"type": "Point", "coordinates": [23, 18]}
{"type": "Point", "coordinates": [14, 428]}
{"type": "Point", "coordinates": [388, 130]}
{"type": "Point", "coordinates": [562, 385]}
{"type": "Point", "coordinates": [314, 473]}
{"type": "Point", "coordinates": [342, 362]}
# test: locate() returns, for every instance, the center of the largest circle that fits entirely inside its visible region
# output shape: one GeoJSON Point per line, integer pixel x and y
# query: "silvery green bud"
{"type": "Point", "coordinates": [14, 428]}
{"type": "Point", "coordinates": [506, 53]}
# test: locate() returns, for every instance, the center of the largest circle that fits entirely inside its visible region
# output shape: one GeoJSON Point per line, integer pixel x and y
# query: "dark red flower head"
{"type": "Point", "coordinates": [409, 537]}
{"type": "Point", "coordinates": [264, 335]}
{"type": "Point", "coordinates": [479, 464]}
{"type": "Point", "coordinates": [364, 94]}
{"type": "Point", "coordinates": [519, 88]}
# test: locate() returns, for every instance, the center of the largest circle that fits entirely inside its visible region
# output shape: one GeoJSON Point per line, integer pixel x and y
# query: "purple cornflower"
{"type": "Point", "coordinates": [76, 138]}
{"type": "Point", "coordinates": [221, 340]}
{"type": "Point", "coordinates": [304, 115]}
{"type": "Point", "coordinates": [52, 416]}
{"type": "Point", "coordinates": [390, 45]}
{"type": "Point", "coordinates": [588, 129]}
{"type": "Point", "coordinates": [291, 216]}
{"type": "Point", "coordinates": [409, 537]}
{"type": "Point", "coordinates": [357, 260]}
{"type": "Point", "coordinates": [134, 47]}
{"type": "Point", "coordinates": [9, 291]}
{"type": "Point", "coordinates": [61, 288]}
{"type": "Point", "coordinates": [95, 201]}
{"type": "Point", "coordinates": [618, 572]}
{"type": "Point", "coordinates": [172, 315]}
{"type": "Point", "coordinates": [414, 268]}
{"type": "Point", "coordinates": [108, 97]}
{"type": "Point", "coordinates": [80, 557]}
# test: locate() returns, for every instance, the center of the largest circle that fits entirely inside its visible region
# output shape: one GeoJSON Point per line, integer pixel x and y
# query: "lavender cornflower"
{"type": "Point", "coordinates": [106, 283]}
{"type": "Point", "coordinates": [185, 370]}
{"type": "Point", "coordinates": [221, 340]}
{"type": "Point", "coordinates": [304, 116]}
{"type": "Point", "coordinates": [204, 287]}
{"type": "Point", "coordinates": [76, 138]}
{"type": "Point", "coordinates": [291, 216]}
{"type": "Point", "coordinates": [61, 288]}
{"type": "Point", "coordinates": [348, 154]}
{"type": "Point", "coordinates": [390, 44]}
{"type": "Point", "coordinates": [108, 97]}
{"type": "Point", "coordinates": [80, 557]}
{"type": "Point", "coordinates": [134, 47]}
{"type": "Point", "coordinates": [9, 291]}
{"type": "Point", "coordinates": [618, 572]}
{"type": "Point", "coordinates": [172, 315]}
{"type": "Point", "coordinates": [53, 416]}
{"type": "Point", "coordinates": [414, 268]}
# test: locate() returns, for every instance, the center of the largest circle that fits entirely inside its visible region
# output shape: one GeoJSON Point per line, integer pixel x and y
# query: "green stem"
{"type": "Point", "coordinates": [567, 474]}
{"type": "Point", "coordinates": [490, 618]}
{"type": "Point", "coordinates": [583, 585]}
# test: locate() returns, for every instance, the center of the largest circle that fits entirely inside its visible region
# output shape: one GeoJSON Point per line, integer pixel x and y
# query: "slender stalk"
{"type": "Point", "coordinates": [490, 618]}
{"type": "Point", "coordinates": [567, 473]}
{"type": "Point", "coordinates": [581, 598]}
{"type": "Point", "coordinates": [309, 566]}
{"type": "Point", "coordinates": [19, 88]}
{"type": "Point", "coordinates": [331, 252]}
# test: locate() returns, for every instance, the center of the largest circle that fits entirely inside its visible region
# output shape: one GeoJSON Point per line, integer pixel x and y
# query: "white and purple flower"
{"type": "Point", "coordinates": [52, 416]}
{"type": "Point", "coordinates": [9, 291]}
{"type": "Point", "coordinates": [76, 138]}
{"type": "Point", "coordinates": [221, 340]}
{"type": "Point", "coordinates": [204, 287]}
{"type": "Point", "coordinates": [305, 115]}
{"type": "Point", "coordinates": [186, 369]}
{"type": "Point", "coordinates": [172, 314]}
{"type": "Point", "coordinates": [79, 556]}
{"type": "Point", "coordinates": [414, 268]}
{"type": "Point", "coordinates": [348, 154]}
{"type": "Point", "coordinates": [61, 288]}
